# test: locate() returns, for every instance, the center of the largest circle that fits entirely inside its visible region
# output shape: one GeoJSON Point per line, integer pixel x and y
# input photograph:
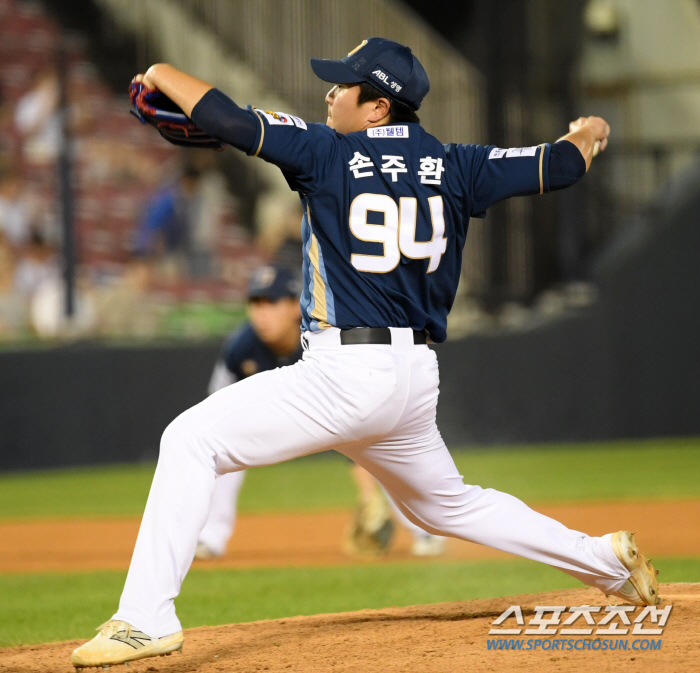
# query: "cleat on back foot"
{"type": "Point", "coordinates": [642, 587]}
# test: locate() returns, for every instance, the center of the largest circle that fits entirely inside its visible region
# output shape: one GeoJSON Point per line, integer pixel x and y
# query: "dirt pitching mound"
{"type": "Point", "coordinates": [441, 638]}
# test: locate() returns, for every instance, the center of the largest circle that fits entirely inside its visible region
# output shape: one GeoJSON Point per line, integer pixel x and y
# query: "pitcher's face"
{"type": "Point", "coordinates": [344, 114]}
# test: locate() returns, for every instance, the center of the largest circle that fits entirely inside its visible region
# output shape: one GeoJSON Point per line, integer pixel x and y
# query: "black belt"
{"type": "Point", "coordinates": [376, 335]}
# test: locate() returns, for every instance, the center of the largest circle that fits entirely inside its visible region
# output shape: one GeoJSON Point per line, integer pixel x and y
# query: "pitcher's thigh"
{"type": "Point", "coordinates": [265, 419]}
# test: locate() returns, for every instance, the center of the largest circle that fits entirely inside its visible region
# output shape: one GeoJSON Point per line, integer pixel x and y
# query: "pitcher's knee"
{"type": "Point", "coordinates": [179, 436]}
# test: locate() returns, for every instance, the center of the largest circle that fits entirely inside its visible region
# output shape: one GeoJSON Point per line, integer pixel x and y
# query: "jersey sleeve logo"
{"type": "Point", "coordinates": [388, 132]}
{"type": "Point", "coordinates": [498, 153]}
{"type": "Point", "coordinates": [283, 119]}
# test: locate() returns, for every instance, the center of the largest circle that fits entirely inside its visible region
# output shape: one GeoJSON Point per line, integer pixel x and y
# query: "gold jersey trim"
{"type": "Point", "coordinates": [262, 133]}
{"type": "Point", "coordinates": [320, 312]}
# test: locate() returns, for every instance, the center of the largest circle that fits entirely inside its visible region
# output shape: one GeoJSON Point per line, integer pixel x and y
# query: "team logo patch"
{"type": "Point", "coordinates": [358, 47]}
{"type": "Point", "coordinates": [263, 277]}
{"type": "Point", "coordinates": [388, 132]}
{"type": "Point", "coordinates": [283, 119]}
{"type": "Point", "coordinates": [498, 153]}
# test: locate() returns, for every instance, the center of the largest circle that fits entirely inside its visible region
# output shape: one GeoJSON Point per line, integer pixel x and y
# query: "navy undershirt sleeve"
{"type": "Point", "coordinates": [566, 165]}
{"type": "Point", "coordinates": [217, 115]}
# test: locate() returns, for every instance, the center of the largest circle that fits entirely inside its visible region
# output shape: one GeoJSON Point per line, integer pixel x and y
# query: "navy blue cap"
{"type": "Point", "coordinates": [387, 65]}
{"type": "Point", "coordinates": [273, 283]}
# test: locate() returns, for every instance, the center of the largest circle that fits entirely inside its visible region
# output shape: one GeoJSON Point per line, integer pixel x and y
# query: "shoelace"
{"type": "Point", "coordinates": [114, 626]}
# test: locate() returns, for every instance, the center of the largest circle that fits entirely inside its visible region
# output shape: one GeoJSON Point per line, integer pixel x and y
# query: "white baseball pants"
{"type": "Point", "coordinates": [376, 404]}
{"type": "Point", "coordinates": [415, 531]}
{"type": "Point", "coordinates": [221, 521]}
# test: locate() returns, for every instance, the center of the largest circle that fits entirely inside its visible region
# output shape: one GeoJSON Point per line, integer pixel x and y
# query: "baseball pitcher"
{"type": "Point", "coordinates": [386, 211]}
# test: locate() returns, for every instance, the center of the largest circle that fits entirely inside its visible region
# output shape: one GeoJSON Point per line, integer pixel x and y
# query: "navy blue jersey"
{"type": "Point", "coordinates": [244, 354]}
{"type": "Point", "coordinates": [386, 213]}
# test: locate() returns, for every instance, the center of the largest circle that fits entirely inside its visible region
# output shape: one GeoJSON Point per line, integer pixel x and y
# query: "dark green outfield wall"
{"type": "Point", "coordinates": [85, 404]}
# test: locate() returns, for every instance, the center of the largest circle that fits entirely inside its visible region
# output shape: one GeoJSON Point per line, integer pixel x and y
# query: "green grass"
{"type": "Point", "coordinates": [664, 468]}
{"type": "Point", "coordinates": [658, 468]}
{"type": "Point", "coordinates": [316, 483]}
{"type": "Point", "coordinates": [53, 607]}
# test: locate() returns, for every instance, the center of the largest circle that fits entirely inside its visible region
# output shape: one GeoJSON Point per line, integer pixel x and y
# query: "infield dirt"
{"type": "Point", "coordinates": [441, 638]}
{"type": "Point", "coordinates": [670, 528]}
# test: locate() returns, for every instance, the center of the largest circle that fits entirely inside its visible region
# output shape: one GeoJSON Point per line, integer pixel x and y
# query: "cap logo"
{"type": "Point", "coordinates": [358, 47]}
{"type": "Point", "coordinates": [265, 276]}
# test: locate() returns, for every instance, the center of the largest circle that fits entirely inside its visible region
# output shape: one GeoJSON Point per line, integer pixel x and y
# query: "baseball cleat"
{"type": "Point", "coordinates": [642, 587]}
{"type": "Point", "coordinates": [428, 545]}
{"type": "Point", "coordinates": [118, 643]}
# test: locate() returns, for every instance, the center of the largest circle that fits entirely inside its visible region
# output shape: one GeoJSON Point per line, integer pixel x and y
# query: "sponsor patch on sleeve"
{"type": "Point", "coordinates": [522, 151]}
{"type": "Point", "coordinates": [282, 119]}
{"type": "Point", "coordinates": [497, 152]}
{"type": "Point", "coordinates": [298, 122]}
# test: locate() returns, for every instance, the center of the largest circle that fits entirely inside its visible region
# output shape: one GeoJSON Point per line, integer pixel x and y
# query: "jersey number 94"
{"type": "Point", "coordinates": [397, 234]}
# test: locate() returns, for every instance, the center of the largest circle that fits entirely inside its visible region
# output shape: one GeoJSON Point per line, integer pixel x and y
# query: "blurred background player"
{"type": "Point", "coordinates": [271, 339]}
{"type": "Point", "coordinates": [372, 529]}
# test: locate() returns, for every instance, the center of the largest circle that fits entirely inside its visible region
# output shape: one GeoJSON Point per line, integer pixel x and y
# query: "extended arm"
{"type": "Point", "coordinates": [212, 112]}
{"type": "Point", "coordinates": [590, 135]}
{"type": "Point", "coordinates": [183, 89]}
{"type": "Point", "coordinates": [499, 174]}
